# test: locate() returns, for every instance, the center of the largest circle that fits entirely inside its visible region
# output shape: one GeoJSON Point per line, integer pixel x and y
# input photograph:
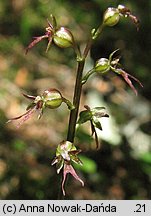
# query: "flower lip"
{"type": "Point", "coordinates": [126, 76]}
{"type": "Point", "coordinates": [65, 154]}
{"type": "Point", "coordinates": [69, 169]}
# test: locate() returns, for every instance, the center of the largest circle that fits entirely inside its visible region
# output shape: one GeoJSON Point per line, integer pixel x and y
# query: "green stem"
{"type": "Point", "coordinates": [88, 47]}
{"type": "Point", "coordinates": [96, 34]}
{"type": "Point", "coordinates": [78, 84]}
{"type": "Point", "coordinates": [76, 102]}
{"type": "Point", "coordinates": [89, 73]}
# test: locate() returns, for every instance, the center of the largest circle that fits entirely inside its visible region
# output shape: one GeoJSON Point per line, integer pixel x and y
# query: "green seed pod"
{"type": "Point", "coordinates": [102, 65]}
{"type": "Point", "coordinates": [52, 98]}
{"type": "Point", "coordinates": [111, 16]}
{"type": "Point", "coordinates": [63, 38]}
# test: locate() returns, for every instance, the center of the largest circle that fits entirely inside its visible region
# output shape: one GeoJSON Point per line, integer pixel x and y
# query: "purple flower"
{"type": "Point", "coordinates": [51, 98]}
{"type": "Point", "coordinates": [62, 37]}
{"type": "Point", "coordinates": [48, 34]}
{"type": "Point", "coordinates": [65, 154]}
{"type": "Point", "coordinates": [116, 67]}
{"type": "Point", "coordinates": [36, 105]}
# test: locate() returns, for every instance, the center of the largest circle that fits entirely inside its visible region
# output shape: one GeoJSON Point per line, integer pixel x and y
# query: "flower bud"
{"type": "Point", "coordinates": [102, 65]}
{"type": "Point", "coordinates": [63, 38]}
{"type": "Point", "coordinates": [64, 146]}
{"type": "Point", "coordinates": [111, 16]}
{"type": "Point", "coordinates": [52, 98]}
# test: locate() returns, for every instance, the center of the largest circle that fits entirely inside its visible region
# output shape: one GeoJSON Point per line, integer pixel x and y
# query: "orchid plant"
{"type": "Point", "coordinates": [67, 152]}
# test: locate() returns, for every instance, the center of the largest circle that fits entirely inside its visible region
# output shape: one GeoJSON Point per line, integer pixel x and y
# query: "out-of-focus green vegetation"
{"type": "Point", "coordinates": [121, 169]}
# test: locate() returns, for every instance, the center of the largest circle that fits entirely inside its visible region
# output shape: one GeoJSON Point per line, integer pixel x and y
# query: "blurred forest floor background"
{"type": "Point", "coordinates": [121, 168]}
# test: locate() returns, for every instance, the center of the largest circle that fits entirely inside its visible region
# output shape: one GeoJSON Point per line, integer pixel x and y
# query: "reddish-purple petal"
{"type": "Point", "coordinates": [127, 13]}
{"type": "Point", "coordinates": [126, 78]}
{"type": "Point", "coordinates": [29, 96]}
{"type": "Point", "coordinates": [69, 169]}
{"type": "Point", "coordinates": [49, 43]}
{"type": "Point", "coordinates": [24, 117]}
{"type": "Point", "coordinates": [135, 21]}
{"type": "Point", "coordinates": [35, 41]}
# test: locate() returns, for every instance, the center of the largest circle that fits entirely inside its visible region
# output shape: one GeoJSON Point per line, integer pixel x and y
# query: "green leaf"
{"type": "Point", "coordinates": [146, 157]}
{"type": "Point", "coordinates": [76, 160]}
{"type": "Point", "coordinates": [84, 116]}
{"type": "Point", "coordinates": [96, 123]}
{"type": "Point", "coordinates": [84, 137]}
{"type": "Point", "coordinates": [89, 165]}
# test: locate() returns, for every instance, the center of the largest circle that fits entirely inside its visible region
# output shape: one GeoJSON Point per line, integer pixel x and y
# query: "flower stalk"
{"type": "Point", "coordinates": [51, 98]}
{"type": "Point", "coordinates": [76, 102]}
{"type": "Point", "coordinates": [78, 85]}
